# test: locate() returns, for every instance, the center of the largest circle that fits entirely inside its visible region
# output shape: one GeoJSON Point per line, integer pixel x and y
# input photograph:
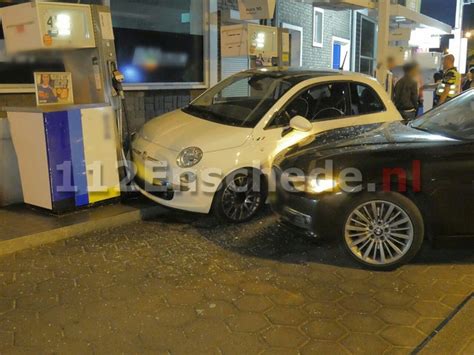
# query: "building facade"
{"type": "Point", "coordinates": [336, 25]}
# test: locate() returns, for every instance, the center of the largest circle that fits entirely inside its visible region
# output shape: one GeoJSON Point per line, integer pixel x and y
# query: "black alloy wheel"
{"type": "Point", "coordinates": [240, 197]}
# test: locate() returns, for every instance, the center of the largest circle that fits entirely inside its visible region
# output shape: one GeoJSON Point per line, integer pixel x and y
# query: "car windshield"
{"type": "Point", "coordinates": [242, 100]}
{"type": "Point", "coordinates": [454, 119]}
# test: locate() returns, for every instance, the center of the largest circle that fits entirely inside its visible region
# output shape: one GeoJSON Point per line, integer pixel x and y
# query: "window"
{"type": "Point", "coordinates": [365, 100]}
{"type": "Point", "coordinates": [318, 27]}
{"type": "Point", "coordinates": [365, 45]}
{"type": "Point", "coordinates": [160, 41]}
{"type": "Point", "coordinates": [320, 102]}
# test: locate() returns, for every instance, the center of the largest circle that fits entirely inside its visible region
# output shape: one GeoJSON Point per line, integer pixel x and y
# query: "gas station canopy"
{"type": "Point", "coordinates": [400, 15]}
{"type": "Point", "coordinates": [405, 16]}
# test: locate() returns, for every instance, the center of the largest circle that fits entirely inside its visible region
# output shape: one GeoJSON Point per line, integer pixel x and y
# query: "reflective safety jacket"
{"type": "Point", "coordinates": [451, 82]}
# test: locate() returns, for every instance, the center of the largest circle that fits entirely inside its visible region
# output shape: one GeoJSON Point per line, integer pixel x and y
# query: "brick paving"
{"type": "Point", "coordinates": [182, 284]}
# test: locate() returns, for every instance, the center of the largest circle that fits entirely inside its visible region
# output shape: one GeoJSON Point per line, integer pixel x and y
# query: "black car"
{"type": "Point", "coordinates": [381, 189]}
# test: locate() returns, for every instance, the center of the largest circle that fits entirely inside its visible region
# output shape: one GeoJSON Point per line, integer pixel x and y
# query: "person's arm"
{"type": "Point", "coordinates": [448, 80]}
{"type": "Point", "coordinates": [443, 96]}
{"type": "Point", "coordinates": [395, 93]}
{"type": "Point", "coordinates": [414, 95]}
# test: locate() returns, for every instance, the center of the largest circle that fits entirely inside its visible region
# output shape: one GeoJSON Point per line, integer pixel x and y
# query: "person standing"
{"type": "Point", "coordinates": [421, 93]}
{"type": "Point", "coordinates": [390, 79]}
{"type": "Point", "coordinates": [468, 83]}
{"type": "Point", "coordinates": [437, 79]}
{"type": "Point", "coordinates": [405, 94]}
{"type": "Point", "coordinates": [450, 86]}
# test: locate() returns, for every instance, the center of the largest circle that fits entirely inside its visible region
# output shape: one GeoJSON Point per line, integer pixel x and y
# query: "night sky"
{"type": "Point", "coordinates": [445, 11]}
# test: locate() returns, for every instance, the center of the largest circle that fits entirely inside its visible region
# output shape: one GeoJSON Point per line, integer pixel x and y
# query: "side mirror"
{"type": "Point", "coordinates": [299, 123]}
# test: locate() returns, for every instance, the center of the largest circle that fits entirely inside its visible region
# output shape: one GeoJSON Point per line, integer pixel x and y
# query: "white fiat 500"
{"type": "Point", "coordinates": [215, 154]}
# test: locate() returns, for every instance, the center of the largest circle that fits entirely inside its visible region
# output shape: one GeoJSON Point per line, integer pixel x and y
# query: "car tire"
{"type": "Point", "coordinates": [382, 231]}
{"type": "Point", "coordinates": [240, 197]}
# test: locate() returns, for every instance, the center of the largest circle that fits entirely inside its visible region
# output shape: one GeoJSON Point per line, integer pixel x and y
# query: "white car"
{"type": "Point", "coordinates": [215, 154]}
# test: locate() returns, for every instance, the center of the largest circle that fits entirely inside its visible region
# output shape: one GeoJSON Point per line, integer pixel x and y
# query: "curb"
{"type": "Point", "coordinates": [75, 230]}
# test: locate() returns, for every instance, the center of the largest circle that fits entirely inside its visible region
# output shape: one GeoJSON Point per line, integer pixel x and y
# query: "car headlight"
{"type": "Point", "coordinates": [189, 157]}
{"type": "Point", "coordinates": [312, 185]}
{"type": "Point", "coordinates": [317, 186]}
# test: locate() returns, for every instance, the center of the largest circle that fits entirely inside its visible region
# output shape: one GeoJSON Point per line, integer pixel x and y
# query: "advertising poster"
{"type": "Point", "coordinates": [53, 88]}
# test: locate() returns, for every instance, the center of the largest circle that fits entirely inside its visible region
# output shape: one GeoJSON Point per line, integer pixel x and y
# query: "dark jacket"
{"type": "Point", "coordinates": [467, 85]}
{"type": "Point", "coordinates": [405, 94]}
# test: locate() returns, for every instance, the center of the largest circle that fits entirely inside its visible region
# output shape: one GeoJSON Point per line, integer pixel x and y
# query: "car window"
{"type": "Point", "coordinates": [248, 89]}
{"type": "Point", "coordinates": [364, 100]}
{"type": "Point", "coordinates": [328, 101]}
{"type": "Point", "coordinates": [242, 99]}
{"type": "Point", "coordinates": [316, 103]}
{"type": "Point", "coordinates": [454, 119]}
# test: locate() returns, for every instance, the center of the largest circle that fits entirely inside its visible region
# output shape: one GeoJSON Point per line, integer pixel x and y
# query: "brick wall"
{"type": "Point", "coordinates": [336, 23]}
{"type": "Point", "coordinates": [144, 105]}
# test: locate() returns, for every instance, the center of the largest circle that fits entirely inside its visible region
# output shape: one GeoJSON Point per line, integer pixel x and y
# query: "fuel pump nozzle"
{"type": "Point", "coordinates": [117, 80]}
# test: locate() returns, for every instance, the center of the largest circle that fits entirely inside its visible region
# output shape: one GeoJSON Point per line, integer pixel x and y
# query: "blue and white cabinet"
{"type": "Point", "coordinates": [67, 157]}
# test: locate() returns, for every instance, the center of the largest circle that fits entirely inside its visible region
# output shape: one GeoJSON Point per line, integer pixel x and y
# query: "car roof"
{"type": "Point", "coordinates": [297, 75]}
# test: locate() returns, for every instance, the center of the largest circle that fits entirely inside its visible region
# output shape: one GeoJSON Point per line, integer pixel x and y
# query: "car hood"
{"type": "Point", "coordinates": [376, 137]}
{"type": "Point", "coordinates": [178, 130]}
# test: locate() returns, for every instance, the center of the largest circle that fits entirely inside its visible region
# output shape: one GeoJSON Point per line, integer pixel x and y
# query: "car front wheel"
{"type": "Point", "coordinates": [383, 230]}
{"type": "Point", "coordinates": [240, 197]}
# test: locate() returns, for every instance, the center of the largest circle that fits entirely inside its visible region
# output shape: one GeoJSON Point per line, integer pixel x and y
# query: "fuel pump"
{"type": "Point", "coordinates": [247, 46]}
{"type": "Point", "coordinates": [68, 155]}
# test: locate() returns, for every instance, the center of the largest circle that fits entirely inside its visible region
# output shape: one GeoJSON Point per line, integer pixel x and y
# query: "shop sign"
{"type": "Point", "coordinates": [256, 9]}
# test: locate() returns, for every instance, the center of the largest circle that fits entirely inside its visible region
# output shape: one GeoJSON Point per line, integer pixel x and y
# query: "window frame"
{"type": "Point", "coordinates": [361, 57]}
{"type": "Point", "coordinates": [349, 82]}
{"type": "Point", "coordinates": [210, 56]}
{"type": "Point", "coordinates": [316, 43]}
{"type": "Point", "coordinates": [301, 31]}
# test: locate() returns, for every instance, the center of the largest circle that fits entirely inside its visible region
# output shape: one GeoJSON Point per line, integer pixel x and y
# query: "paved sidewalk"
{"type": "Point", "coordinates": [23, 227]}
{"type": "Point", "coordinates": [181, 284]}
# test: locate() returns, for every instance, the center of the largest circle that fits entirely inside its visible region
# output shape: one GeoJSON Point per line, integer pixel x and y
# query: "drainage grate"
{"type": "Point", "coordinates": [450, 340]}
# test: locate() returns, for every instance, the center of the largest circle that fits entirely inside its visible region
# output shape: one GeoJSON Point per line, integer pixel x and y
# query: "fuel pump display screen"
{"type": "Point", "coordinates": [67, 26]}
